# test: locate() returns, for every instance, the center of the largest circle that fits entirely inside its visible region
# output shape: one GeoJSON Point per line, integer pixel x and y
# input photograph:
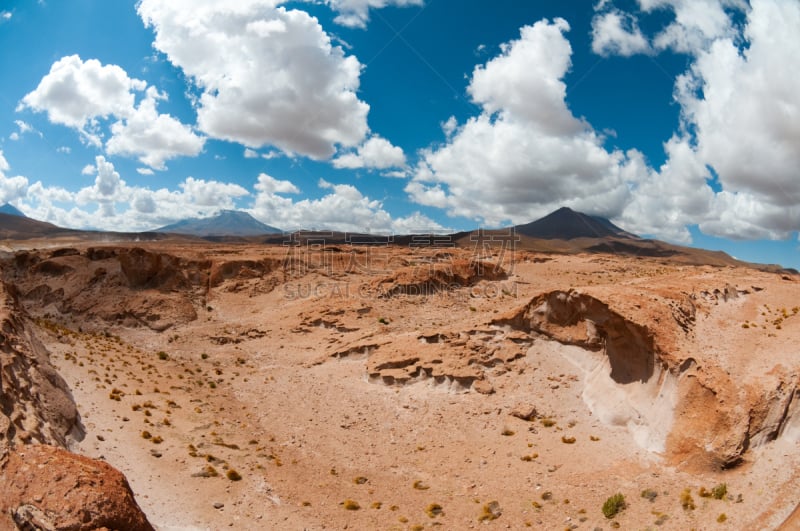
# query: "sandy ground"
{"type": "Point", "coordinates": [250, 388]}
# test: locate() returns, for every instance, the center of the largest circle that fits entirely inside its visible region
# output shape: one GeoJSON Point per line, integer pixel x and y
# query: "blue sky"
{"type": "Point", "coordinates": [678, 120]}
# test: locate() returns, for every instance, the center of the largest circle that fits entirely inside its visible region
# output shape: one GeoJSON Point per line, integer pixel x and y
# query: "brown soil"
{"type": "Point", "coordinates": [387, 388]}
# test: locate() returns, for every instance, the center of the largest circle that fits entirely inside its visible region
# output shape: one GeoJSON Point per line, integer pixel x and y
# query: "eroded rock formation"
{"type": "Point", "coordinates": [42, 486]}
{"type": "Point", "coordinates": [35, 403]}
{"type": "Point", "coordinates": [636, 377]}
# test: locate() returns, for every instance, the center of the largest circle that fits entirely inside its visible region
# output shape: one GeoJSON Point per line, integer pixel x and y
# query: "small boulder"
{"type": "Point", "coordinates": [483, 387]}
{"type": "Point", "coordinates": [49, 488]}
{"type": "Point", "coordinates": [524, 412]}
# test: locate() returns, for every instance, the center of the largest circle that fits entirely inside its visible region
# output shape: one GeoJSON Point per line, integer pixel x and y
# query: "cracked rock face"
{"type": "Point", "coordinates": [35, 403]}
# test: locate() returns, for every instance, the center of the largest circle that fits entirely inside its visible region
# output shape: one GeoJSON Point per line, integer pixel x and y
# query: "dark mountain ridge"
{"type": "Point", "coordinates": [226, 223]}
{"type": "Point", "coordinates": [567, 224]}
{"type": "Point", "coordinates": [11, 210]}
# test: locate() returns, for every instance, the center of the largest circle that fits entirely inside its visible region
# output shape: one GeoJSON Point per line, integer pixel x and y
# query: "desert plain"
{"type": "Point", "coordinates": [321, 386]}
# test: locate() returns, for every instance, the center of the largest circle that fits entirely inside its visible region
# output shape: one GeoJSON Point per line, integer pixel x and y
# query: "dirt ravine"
{"type": "Point", "coordinates": [271, 387]}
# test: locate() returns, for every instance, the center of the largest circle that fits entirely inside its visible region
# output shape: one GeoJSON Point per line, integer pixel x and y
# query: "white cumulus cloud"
{"type": "Point", "coordinates": [111, 204]}
{"type": "Point", "coordinates": [211, 193]}
{"type": "Point", "coordinates": [355, 13]}
{"type": "Point", "coordinates": [746, 105]}
{"type": "Point", "coordinates": [269, 185]}
{"type": "Point", "coordinates": [526, 154]}
{"type": "Point", "coordinates": [745, 108]}
{"type": "Point", "coordinates": [375, 153]}
{"type": "Point", "coordinates": [344, 208]}
{"type": "Point", "coordinates": [11, 188]}
{"type": "Point", "coordinates": [664, 202]}
{"type": "Point", "coordinates": [108, 189]}
{"type": "Point", "coordinates": [152, 137]}
{"type": "Point", "coordinates": [697, 23]}
{"type": "Point", "coordinates": [269, 75]}
{"type": "Point", "coordinates": [79, 94]}
{"type": "Point", "coordinates": [740, 125]}
{"type": "Point", "coordinates": [75, 93]}
{"type": "Point", "coordinates": [617, 33]}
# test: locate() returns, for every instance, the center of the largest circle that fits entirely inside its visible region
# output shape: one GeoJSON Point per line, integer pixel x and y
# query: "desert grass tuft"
{"type": "Point", "coordinates": [613, 505]}
{"type": "Point", "coordinates": [351, 505]}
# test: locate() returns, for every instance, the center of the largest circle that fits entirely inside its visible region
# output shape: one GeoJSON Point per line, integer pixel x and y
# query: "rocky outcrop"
{"type": "Point", "coordinates": [432, 277]}
{"type": "Point", "coordinates": [145, 269]}
{"type": "Point", "coordinates": [628, 383]}
{"type": "Point", "coordinates": [721, 419]}
{"type": "Point", "coordinates": [698, 416]}
{"type": "Point", "coordinates": [35, 403]}
{"type": "Point", "coordinates": [242, 270]}
{"type": "Point", "coordinates": [131, 286]}
{"type": "Point", "coordinates": [49, 489]}
{"type": "Point", "coordinates": [574, 318]}
{"type": "Point", "coordinates": [43, 487]}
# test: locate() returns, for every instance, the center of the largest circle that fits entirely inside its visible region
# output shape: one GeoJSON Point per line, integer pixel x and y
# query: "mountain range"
{"type": "Point", "coordinates": [564, 231]}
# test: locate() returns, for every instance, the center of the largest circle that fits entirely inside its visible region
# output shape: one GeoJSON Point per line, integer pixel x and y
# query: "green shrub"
{"type": "Point", "coordinates": [613, 505]}
{"type": "Point", "coordinates": [719, 491]}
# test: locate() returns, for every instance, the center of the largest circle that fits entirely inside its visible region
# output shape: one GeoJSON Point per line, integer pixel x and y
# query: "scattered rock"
{"type": "Point", "coordinates": [483, 387]}
{"type": "Point", "coordinates": [524, 412]}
